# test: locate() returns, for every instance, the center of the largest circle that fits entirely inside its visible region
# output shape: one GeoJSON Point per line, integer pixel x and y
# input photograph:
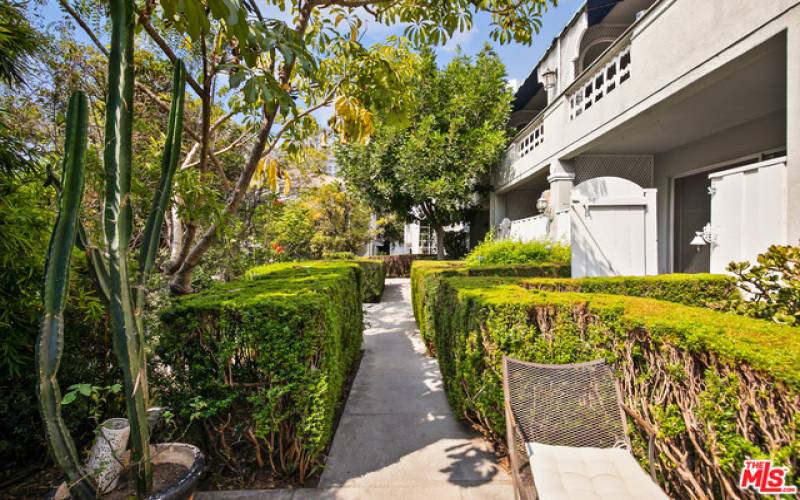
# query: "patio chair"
{"type": "Point", "coordinates": [567, 434]}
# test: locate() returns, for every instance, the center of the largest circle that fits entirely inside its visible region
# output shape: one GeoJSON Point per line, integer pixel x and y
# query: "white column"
{"type": "Point", "coordinates": [793, 134]}
{"type": "Point", "coordinates": [497, 208]}
{"type": "Point", "coordinates": [562, 174]}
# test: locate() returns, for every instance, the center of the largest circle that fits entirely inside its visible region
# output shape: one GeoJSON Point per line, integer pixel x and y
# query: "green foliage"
{"type": "Point", "coordinates": [24, 216]}
{"type": "Point", "coordinates": [475, 322]}
{"type": "Point", "coordinates": [432, 168]}
{"type": "Point", "coordinates": [320, 221]}
{"type": "Point", "coordinates": [455, 244]}
{"type": "Point", "coordinates": [399, 266]}
{"type": "Point", "coordinates": [702, 290]}
{"type": "Point", "coordinates": [370, 279]}
{"type": "Point", "coordinates": [272, 352]}
{"type": "Point", "coordinates": [338, 255]}
{"type": "Point", "coordinates": [491, 251]}
{"type": "Point", "coordinates": [19, 42]}
{"type": "Point", "coordinates": [772, 285]}
{"type": "Point", "coordinates": [426, 276]}
{"type": "Point", "coordinates": [374, 278]}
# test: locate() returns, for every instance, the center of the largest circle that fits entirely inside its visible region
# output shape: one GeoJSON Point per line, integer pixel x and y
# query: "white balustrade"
{"type": "Point", "coordinates": [601, 83]}
{"type": "Point", "coordinates": [531, 228]}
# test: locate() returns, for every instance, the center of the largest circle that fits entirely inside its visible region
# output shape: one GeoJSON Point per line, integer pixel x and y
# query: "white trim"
{"type": "Point", "coordinates": [560, 176]}
{"type": "Point", "coordinates": [750, 166]}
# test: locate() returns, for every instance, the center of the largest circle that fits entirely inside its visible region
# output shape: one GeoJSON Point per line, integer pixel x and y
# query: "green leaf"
{"type": "Point", "coordinates": [69, 397]}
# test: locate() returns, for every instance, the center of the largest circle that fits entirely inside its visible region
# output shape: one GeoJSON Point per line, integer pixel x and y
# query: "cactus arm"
{"type": "Point", "coordinates": [155, 219]}
{"type": "Point", "coordinates": [97, 264]}
{"type": "Point", "coordinates": [117, 216]}
{"type": "Point", "coordinates": [50, 344]}
{"type": "Point", "coordinates": [169, 164]}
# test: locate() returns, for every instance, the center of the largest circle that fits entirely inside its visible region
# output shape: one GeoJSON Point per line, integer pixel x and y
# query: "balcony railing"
{"type": "Point", "coordinates": [600, 83]}
{"type": "Point", "coordinates": [529, 229]}
{"type": "Point", "coordinates": [527, 140]}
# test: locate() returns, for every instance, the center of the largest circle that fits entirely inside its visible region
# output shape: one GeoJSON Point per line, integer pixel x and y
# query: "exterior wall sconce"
{"type": "Point", "coordinates": [542, 204]}
{"type": "Point", "coordinates": [703, 237]}
{"type": "Point", "coordinates": [549, 79]}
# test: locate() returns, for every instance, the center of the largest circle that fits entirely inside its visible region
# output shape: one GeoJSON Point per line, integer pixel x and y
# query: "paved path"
{"type": "Point", "coordinates": [398, 438]}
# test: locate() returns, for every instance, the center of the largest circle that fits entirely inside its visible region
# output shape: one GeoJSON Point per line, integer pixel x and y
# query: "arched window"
{"type": "Point", "coordinates": [594, 41]}
{"type": "Point", "coordinates": [592, 52]}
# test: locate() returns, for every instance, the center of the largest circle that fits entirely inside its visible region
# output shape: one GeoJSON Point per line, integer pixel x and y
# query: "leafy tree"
{"type": "Point", "coordinates": [279, 74]}
{"type": "Point", "coordinates": [19, 42]}
{"type": "Point", "coordinates": [433, 169]}
{"type": "Point", "coordinates": [324, 219]}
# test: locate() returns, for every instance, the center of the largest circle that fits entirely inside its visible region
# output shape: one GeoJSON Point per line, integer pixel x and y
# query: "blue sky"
{"type": "Point", "coordinates": [519, 59]}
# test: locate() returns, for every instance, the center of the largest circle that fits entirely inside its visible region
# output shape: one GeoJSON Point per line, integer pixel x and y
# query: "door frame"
{"type": "Point", "coordinates": [755, 157]}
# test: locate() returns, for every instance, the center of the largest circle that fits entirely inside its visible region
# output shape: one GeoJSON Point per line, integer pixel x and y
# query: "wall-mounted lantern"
{"type": "Point", "coordinates": [703, 237]}
{"type": "Point", "coordinates": [549, 79]}
{"type": "Point", "coordinates": [542, 204]}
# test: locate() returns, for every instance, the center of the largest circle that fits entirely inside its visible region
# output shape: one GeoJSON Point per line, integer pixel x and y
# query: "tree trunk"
{"type": "Point", "coordinates": [439, 242]}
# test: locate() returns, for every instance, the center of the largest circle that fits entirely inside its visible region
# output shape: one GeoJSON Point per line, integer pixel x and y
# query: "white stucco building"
{"type": "Point", "coordinates": [649, 121]}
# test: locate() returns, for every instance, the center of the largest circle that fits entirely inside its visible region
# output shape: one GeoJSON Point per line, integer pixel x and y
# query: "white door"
{"type": "Point", "coordinates": [748, 212]}
{"type": "Point", "coordinates": [613, 228]}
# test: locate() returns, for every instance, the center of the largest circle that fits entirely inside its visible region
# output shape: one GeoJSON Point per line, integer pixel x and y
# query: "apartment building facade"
{"type": "Point", "coordinates": [659, 136]}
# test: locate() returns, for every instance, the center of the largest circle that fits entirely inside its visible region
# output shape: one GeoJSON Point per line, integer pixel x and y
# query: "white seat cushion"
{"type": "Point", "coordinates": [564, 472]}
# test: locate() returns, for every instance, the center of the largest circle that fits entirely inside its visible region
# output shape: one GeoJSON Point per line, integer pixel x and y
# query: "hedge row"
{"type": "Point", "coordinates": [374, 278]}
{"type": "Point", "coordinates": [702, 290]}
{"type": "Point", "coordinates": [399, 266]}
{"type": "Point", "coordinates": [371, 280]}
{"type": "Point", "coordinates": [425, 276]}
{"type": "Point", "coordinates": [259, 365]}
{"type": "Point", "coordinates": [711, 388]}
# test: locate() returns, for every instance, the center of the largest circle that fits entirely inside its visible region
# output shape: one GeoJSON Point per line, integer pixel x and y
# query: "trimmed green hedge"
{"type": "Point", "coordinates": [262, 363]}
{"type": "Point", "coordinates": [371, 280]}
{"type": "Point", "coordinates": [425, 276]}
{"type": "Point", "coordinates": [374, 278]}
{"type": "Point", "coordinates": [704, 383]}
{"type": "Point", "coordinates": [399, 266]}
{"type": "Point", "coordinates": [701, 290]}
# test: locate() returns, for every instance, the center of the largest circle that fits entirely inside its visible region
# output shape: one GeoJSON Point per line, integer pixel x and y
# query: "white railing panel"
{"type": "Point", "coordinates": [600, 83]}
{"type": "Point", "coordinates": [532, 228]}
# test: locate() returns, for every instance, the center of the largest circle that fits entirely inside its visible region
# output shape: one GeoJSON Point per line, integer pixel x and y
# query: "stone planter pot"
{"type": "Point", "coordinates": [172, 453]}
{"type": "Point", "coordinates": [105, 461]}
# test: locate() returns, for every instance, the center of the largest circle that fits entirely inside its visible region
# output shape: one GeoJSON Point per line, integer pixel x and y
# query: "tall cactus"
{"type": "Point", "coordinates": [118, 219]}
{"type": "Point", "coordinates": [112, 270]}
{"type": "Point", "coordinates": [56, 285]}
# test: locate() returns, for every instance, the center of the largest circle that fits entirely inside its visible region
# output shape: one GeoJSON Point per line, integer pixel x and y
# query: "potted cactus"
{"type": "Point", "coordinates": [123, 290]}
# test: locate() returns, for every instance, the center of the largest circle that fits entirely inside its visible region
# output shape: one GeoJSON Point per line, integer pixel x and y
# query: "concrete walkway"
{"type": "Point", "coordinates": [398, 438]}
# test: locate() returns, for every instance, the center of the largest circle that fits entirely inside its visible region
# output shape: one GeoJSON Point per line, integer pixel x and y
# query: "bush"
{"type": "Point", "coordinates": [425, 277]}
{"type": "Point", "coordinates": [257, 367]}
{"type": "Point", "coordinates": [370, 280]}
{"type": "Point", "coordinates": [714, 386]}
{"type": "Point", "coordinates": [772, 285]}
{"type": "Point", "coordinates": [338, 255]}
{"type": "Point", "coordinates": [702, 290]}
{"type": "Point", "coordinates": [374, 278]}
{"type": "Point", "coordinates": [515, 252]}
{"type": "Point", "coordinates": [399, 266]}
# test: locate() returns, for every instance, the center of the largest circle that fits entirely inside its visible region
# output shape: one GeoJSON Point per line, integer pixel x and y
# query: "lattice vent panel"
{"type": "Point", "coordinates": [638, 169]}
